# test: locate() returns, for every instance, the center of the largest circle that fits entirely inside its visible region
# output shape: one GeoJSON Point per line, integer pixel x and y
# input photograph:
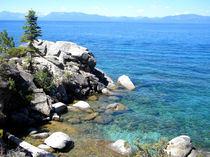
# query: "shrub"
{"type": "Point", "coordinates": [17, 52]}
{"type": "Point", "coordinates": [11, 84]}
{"type": "Point", "coordinates": [44, 79]}
{"type": "Point", "coordinates": [3, 65]}
{"type": "Point", "coordinates": [68, 75]}
{"type": "Point", "coordinates": [28, 65]}
{"type": "Point", "coordinates": [154, 150]}
{"type": "Point", "coordinates": [29, 97]}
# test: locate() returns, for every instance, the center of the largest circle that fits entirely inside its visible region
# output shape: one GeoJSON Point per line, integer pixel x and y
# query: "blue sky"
{"type": "Point", "coordinates": [150, 8]}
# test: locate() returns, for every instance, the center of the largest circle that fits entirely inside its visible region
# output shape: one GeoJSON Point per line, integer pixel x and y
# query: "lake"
{"type": "Point", "coordinates": [168, 63]}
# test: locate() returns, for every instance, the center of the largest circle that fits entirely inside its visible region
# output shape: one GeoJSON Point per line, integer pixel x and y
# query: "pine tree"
{"type": "Point", "coordinates": [6, 43]}
{"type": "Point", "coordinates": [32, 30]}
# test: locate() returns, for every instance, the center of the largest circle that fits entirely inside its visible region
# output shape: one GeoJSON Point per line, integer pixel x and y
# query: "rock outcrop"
{"type": "Point", "coordinates": [73, 75]}
{"type": "Point", "coordinates": [16, 92]}
{"type": "Point", "coordinates": [73, 66]}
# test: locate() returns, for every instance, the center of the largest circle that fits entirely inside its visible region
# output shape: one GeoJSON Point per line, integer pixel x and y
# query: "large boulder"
{"type": "Point", "coordinates": [82, 105]}
{"type": "Point", "coordinates": [180, 146]}
{"type": "Point", "coordinates": [69, 48]}
{"type": "Point", "coordinates": [123, 147]}
{"type": "Point", "coordinates": [40, 102]}
{"type": "Point", "coordinates": [59, 107]}
{"type": "Point", "coordinates": [126, 82]}
{"type": "Point", "coordinates": [59, 140]}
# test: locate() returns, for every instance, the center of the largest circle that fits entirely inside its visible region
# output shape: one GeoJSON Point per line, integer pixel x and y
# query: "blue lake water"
{"type": "Point", "coordinates": [169, 64]}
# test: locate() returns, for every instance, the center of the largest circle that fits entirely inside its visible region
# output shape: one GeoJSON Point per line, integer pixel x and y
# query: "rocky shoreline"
{"type": "Point", "coordinates": [39, 88]}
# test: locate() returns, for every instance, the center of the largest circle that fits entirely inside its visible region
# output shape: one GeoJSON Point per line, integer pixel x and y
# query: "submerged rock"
{"type": "Point", "coordinates": [73, 109]}
{"type": "Point", "coordinates": [46, 148]}
{"type": "Point", "coordinates": [106, 91]}
{"type": "Point", "coordinates": [41, 135]}
{"type": "Point", "coordinates": [126, 82]}
{"type": "Point", "coordinates": [82, 105]}
{"type": "Point", "coordinates": [59, 140]}
{"type": "Point", "coordinates": [92, 98]}
{"type": "Point", "coordinates": [74, 120]}
{"type": "Point", "coordinates": [116, 108]}
{"type": "Point", "coordinates": [91, 116]}
{"type": "Point", "coordinates": [123, 147]}
{"type": "Point", "coordinates": [103, 119]}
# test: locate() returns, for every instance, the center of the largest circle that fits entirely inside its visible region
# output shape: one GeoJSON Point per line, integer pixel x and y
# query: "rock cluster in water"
{"type": "Point", "coordinates": [74, 75]}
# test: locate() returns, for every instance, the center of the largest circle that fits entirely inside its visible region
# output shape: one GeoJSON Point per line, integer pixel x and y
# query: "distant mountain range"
{"type": "Point", "coordinates": [76, 16]}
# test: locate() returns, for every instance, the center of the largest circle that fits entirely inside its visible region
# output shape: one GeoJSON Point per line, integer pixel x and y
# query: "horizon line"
{"type": "Point", "coordinates": [41, 14]}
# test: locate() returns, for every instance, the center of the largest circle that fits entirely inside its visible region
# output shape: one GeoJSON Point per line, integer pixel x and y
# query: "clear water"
{"type": "Point", "coordinates": [169, 64]}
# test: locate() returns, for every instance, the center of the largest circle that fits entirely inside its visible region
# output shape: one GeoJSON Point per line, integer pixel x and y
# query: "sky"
{"type": "Point", "coordinates": [132, 8]}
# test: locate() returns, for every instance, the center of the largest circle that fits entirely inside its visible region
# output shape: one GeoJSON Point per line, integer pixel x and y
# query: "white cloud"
{"type": "Point", "coordinates": [106, 9]}
{"type": "Point", "coordinates": [154, 6]}
{"type": "Point", "coordinates": [167, 7]}
{"type": "Point", "coordinates": [17, 11]}
{"type": "Point", "coordinates": [97, 7]}
{"type": "Point", "coordinates": [140, 10]}
{"type": "Point", "coordinates": [130, 7]}
{"type": "Point", "coordinates": [41, 14]}
{"type": "Point", "coordinates": [185, 12]}
{"type": "Point", "coordinates": [64, 9]}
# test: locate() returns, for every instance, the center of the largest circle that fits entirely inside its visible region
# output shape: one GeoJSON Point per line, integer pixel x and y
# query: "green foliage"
{"type": "Point", "coordinates": [29, 61]}
{"type": "Point", "coordinates": [11, 84]}
{"type": "Point", "coordinates": [6, 42]}
{"type": "Point", "coordinates": [2, 61]}
{"type": "Point", "coordinates": [68, 75]}
{"type": "Point", "coordinates": [44, 79]}
{"type": "Point", "coordinates": [154, 150]}
{"type": "Point", "coordinates": [17, 52]}
{"type": "Point", "coordinates": [31, 30]}
{"type": "Point", "coordinates": [127, 145]}
{"type": "Point", "coordinates": [3, 65]}
{"type": "Point", "coordinates": [28, 64]}
{"type": "Point", "coordinates": [29, 97]}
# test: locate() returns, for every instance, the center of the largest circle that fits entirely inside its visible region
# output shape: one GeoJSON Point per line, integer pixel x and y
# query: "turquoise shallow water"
{"type": "Point", "coordinates": [169, 64]}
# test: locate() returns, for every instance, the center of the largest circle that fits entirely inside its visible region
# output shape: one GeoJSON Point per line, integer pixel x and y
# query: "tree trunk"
{"type": "Point", "coordinates": [36, 152]}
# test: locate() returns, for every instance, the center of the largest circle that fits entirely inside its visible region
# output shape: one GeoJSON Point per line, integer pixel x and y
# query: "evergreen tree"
{"type": "Point", "coordinates": [32, 30]}
{"type": "Point", "coordinates": [6, 43]}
